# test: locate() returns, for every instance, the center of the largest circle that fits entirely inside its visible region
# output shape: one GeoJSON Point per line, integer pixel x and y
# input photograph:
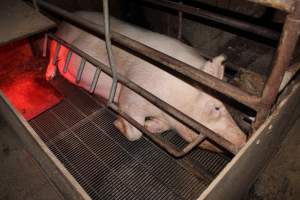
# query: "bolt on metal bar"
{"type": "Point", "coordinates": [69, 55]}
{"type": "Point", "coordinates": [226, 20]}
{"type": "Point", "coordinates": [285, 50]}
{"type": "Point", "coordinates": [80, 70]}
{"type": "Point", "coordinates": [156, 101]}
{"type": "Point", "coordinates": [95, 80]}
{"type": "Point", "coordinates": [186, 70]}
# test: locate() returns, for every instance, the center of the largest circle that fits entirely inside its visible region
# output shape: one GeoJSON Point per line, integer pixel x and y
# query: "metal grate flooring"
{"type": "Point", "coordinates": [80, 132]}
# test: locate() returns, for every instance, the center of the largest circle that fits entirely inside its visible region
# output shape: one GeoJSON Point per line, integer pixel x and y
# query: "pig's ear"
{"type": "Point", "coordinates": [215, 67]}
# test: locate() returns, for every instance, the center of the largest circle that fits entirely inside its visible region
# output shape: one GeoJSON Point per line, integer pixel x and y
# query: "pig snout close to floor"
{"type": "Point", "coordinates": [193, 102]}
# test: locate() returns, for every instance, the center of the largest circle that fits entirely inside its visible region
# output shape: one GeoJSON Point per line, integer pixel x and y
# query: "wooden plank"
{"type": "Point", "coordinates": [18, 20]}
{"type": "Point", "coordinates": [286, 5]}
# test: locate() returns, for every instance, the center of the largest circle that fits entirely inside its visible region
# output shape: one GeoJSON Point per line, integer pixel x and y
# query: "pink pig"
{"type": "Point", "coordinates": [193, 102]}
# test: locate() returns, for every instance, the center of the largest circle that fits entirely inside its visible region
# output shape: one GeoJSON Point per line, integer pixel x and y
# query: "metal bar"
{"type": "Point", "coordinates": [171, 149]}
{"type": "Point", "coordinates": [156, 101]}
{"type": "Point", "coordinates": [54, 61]}
{"type": "Point", "coordinates": [111, 60]}
{"type": "Point", "coordinates": [80, 70]}
{"type": "Point", "coordinates": [69, 55]}
{"type": "Point", "coordinates": [180, 15]}
{"type": "Point", "coordinates": [226, 20]}
{"type": "Point", "coordinates": [45, 45]}
{"type": "Point", "coordinates": [95, 80]}
{"type": "Point", "coordinates": [186, 70]}
{"type": "Point", "coordinates": [282, 60]}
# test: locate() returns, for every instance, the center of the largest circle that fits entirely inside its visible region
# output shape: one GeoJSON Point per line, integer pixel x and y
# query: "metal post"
{"type": "Point", "coordinates": [111, 60]}
{"type": "Point", "coordinates": [80, 70]}
{"type": "Point", "coordinates": [282, 60]}
{"type": "Point", "coordinates": [95, 80]}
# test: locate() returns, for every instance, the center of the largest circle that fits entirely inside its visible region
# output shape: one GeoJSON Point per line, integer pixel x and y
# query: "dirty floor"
{"type": "Point", "coordinates": [280, 180]}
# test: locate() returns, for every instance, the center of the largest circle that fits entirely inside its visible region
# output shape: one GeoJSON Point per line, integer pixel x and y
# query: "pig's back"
{"type": "Point", "coordinates": [165, 44]}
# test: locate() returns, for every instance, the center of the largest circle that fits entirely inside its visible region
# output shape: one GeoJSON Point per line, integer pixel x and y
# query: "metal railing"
{"type": "Point", "coordinates": [261, 104]}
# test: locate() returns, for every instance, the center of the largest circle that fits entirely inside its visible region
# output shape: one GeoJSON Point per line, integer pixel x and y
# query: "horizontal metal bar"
{"type": "Point", "coordinates": [223, 19]}
{"type": "Point", "coordinates": [186, 70]}
{"type": "Point", "coordinates": [154, 100]}
{"type": "Point", "coordinates": [286, 5]}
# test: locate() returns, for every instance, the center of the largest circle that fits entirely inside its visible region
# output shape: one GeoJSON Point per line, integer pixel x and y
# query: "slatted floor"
{"type": "Point", "coordinates": [80, 132]}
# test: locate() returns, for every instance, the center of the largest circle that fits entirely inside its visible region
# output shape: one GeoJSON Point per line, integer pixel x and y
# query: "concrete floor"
{"type": "Point", "coordinates": [280, 180]}
{"type": "Point", "coordinates": [20, 175]}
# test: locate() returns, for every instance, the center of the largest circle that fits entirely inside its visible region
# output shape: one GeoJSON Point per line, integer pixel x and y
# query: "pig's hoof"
{"type": "Point", "coordinates": [156, 125]}
{"type": "Point", "coordinates": [131, 133]}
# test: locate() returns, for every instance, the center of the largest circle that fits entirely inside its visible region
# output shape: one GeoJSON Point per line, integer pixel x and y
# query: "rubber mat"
{"type": "Point", "coordinates": [80, 132]}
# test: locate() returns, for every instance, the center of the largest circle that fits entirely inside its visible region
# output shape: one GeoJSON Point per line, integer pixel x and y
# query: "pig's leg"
{"type": "Point", "coordinates": [129, 131]}
{"type": "Point", "coordinates": [156, 125]}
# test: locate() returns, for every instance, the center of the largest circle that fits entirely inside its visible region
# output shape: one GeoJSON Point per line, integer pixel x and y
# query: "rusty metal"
{"type": "Point", "coordinates": [226, 20]}
{"type": "Point", "coordinates": [160, 104]}
{"type": "Point", "coordinates": [282, 60]}
{"type": "Point", "coordinates": [186, 70]}
{"type": "Point", "coordinates": [286, 5]}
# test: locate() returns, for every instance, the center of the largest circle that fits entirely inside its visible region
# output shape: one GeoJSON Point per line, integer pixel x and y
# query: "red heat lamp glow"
{"type": "Point", "coordinates": [22, 80]}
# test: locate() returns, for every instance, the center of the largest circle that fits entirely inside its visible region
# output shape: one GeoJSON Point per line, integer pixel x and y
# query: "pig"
{"type": "Point", "coordinates": [195, 103]}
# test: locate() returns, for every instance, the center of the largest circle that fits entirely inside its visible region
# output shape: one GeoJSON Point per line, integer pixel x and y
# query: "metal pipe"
{"type": "Point", "coordinates": [226, 20]}
{"type": "Point", "coordinates": [154, 100]}
{"type": "Point", "coordinates": [95, 80]}
{"type": "Point", "coordinates": [186, 70]}
{"type": "Point", "coordinates": [109, 51]}
{"type": "Point", "coordinates": [282, 60]}
{"type": "Point", "coordinates": [69, 55]}
{"type": "Point", "coordinates": [80, 70]}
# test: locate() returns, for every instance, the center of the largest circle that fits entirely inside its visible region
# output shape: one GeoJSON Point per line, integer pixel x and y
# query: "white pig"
{"type": "Point", "coordinates": [191, 101]}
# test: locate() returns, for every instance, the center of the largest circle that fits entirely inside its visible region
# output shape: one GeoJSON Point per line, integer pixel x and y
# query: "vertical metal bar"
{"type": "Point", "coordinates": [67, 61]}
{"type": "Point", "coordinates": [95, 80]}
{"type": "Point", "coordinates": [54, 61]}
{"type": "Point", "coordinates": [80, 70]}
{"type": "Point", "coordinates": [109, 52]}
{"type": "Point", "coordinates": [283, 57]}
{"type": "Point", "coordinates": [45, 45]}
{"type": "Point", "coordinates": [179, 36]}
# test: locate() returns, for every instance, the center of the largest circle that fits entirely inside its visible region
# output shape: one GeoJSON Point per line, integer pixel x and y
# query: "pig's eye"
{"type": "Point", "coordinates": [217, 108]}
